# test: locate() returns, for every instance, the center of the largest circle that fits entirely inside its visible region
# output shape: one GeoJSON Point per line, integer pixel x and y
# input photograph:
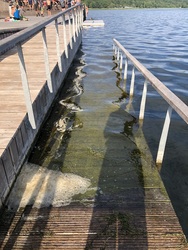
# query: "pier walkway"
{"type": "Point", "coordinates": [125, 207]}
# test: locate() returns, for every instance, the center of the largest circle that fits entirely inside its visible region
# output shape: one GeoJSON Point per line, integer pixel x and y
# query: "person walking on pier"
{"type": "Point", "coordinates": [30, 2]}
{"type": "Point", "coordinates": [49, 7]}
{"type": "Point", "coordinates": [41, 7]}
{"type": "Point", "coordinates": [36, 7]}
{"type": "Point", "coordinates": [62, 3]}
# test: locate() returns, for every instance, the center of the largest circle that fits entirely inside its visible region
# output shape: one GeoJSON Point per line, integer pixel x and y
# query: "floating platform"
{"type": "Point", "coordinates": [93, 23]}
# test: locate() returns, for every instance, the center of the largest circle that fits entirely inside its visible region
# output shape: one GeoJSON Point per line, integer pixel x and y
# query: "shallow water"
{"type": "Point", "coordinates": [158, 39]}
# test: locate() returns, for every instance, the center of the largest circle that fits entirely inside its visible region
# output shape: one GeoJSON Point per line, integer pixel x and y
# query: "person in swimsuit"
{"type": "Point", "coordinates": [49, 7]}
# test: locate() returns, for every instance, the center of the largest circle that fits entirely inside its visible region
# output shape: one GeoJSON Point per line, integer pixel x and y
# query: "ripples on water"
{"type": "Point", "coordinates": [158, 39]}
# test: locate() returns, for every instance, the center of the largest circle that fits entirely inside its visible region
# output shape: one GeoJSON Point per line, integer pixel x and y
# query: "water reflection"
{"type": "Point", "coordinates": [145, 35]}
{"type": "Point", "coordinates": [55, 135]}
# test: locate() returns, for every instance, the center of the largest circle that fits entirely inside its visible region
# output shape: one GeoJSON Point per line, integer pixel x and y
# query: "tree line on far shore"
{"type": "Point", "coordinates": [136, 3]}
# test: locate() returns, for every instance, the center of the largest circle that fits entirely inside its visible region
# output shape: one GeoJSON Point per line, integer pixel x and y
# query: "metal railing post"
{"type": "Point", "coordinates": [163, 139]}
{"type": "Point", "coordinates": [117, 54]}
{"type": "Point", "coordinates": [58, 46]}
{"type": "Point", "coordinates": [75, 12]}
{"type": "Point", "coordinates": [46, 61]}
{"type": "Point", "coordinates": [26, 87]}
{"type": "Point", "coordinates": [132, 81]}
{"type": "Point", "coordinates": [121, 61]}
{"type": "Point", "coordinates": [65, 36]}
{"type": "Point", "coordinates": [73, 26]}
{"type": "Point", "coordinates": [126, 68]}
{"type": "Point", "coordinates": [70, 31]}
{"type": "Point", "coordinates": [143, 101]}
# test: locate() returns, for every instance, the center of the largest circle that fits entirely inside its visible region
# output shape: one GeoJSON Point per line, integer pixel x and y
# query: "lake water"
{"type": "Point", "coordinates": [158, 39]}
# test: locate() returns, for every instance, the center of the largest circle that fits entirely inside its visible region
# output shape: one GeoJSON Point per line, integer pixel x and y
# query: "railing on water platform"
{"type": "Point", "coordinates": [71, 22]}
{"type": "Point", "coordinates": [174, 102]}
{"type": "Point", "coordinates": [18, 40]}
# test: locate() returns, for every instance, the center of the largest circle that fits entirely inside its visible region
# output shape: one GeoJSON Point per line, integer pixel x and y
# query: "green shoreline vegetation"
{"type": "Point", "coordinates": [136, 4]}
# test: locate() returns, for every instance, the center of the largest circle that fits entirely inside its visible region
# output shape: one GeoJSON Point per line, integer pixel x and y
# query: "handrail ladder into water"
{"type": "Point", "coordinates": [174, 102]}
{"type": "Point", "coordinates": [69, 22]}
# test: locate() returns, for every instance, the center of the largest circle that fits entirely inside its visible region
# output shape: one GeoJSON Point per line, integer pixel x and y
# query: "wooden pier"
{"type": "Point", "coordinates": [142, 218]}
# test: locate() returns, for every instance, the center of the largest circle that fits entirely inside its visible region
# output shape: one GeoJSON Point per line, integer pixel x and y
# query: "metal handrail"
{"type": "Point", "coordinates": [10, 42]}
{"type": "Point", "coordinates": [174, 102]}
{"type": "Point", "coordinates": [18, 39]}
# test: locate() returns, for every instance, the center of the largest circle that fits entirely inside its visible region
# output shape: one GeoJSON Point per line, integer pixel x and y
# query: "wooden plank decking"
{"type": "Point", "coordinates": [12, 102]}
{"type": "Point", "coordinates": [143, 218]}
{"type": "Point", "coordinates": [75, 227]}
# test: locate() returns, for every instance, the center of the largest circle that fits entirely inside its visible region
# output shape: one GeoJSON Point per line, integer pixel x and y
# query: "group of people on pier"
{"type": "Point", "coordinates": [17, 8]}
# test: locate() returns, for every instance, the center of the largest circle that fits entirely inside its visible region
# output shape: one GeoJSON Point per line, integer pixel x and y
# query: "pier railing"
{"type": "Point", "coordinates": [19, 39]}
{"type": "Point", "coordinates": [68, 23]}
{"type": "Point", "coordinates": [123, 58]}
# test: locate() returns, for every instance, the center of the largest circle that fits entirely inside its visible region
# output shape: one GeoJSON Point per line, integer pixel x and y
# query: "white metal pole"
{"type": "Point", "coordinates": [143, 101]}
{"type": "Point", "coordinates": [25, 86]}
{"type": "Point", "coordinates": [117, 54]}
{"type": "Point", "coordinates": [73, 26]}
{"type": "Point", "coordinates": [125, 70]}
{"type": "Point", "coordinates": [46, 61]}
{"type": "Point", "coordinates": [121, 61]}
{"type": "Point", "coordinates": [163, 139]}
{"type": "Point", "coordinates": [132, 81]}
{"type": "Point", "coordinates": [65, 36]}
{"type": "Point", "coordinates": [70, 31]}
{"type": "Point", "coordinates": [58, 47]}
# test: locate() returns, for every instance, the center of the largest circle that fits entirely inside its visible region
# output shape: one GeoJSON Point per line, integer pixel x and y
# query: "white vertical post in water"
{"type": "Point", "coordinates": [132, 81]}
{"type": "Point", "coordinates": [73, 26]}
{"type": "Point", "coordinates": [126, 68]}
{"type": "Point", "coordinates": [78, 14]}
{"type": "Point", "coordinates": [70, 31]}
{"type": "Point", "coordinates": [58, 46]}
{"type": "Point", "coordinates": [76, 20]}
{"type": "Point", "coordinates": [118, 54]}
{"type": "Point", "coordinates": [26, 87]}
{"type": "Point", "coordinates": [80, 18]}
{"type": "Point", "coordinates": [46, 61]}
{"type": "Point", "coordinates": [65, 36]}
{"type": "Point", "coordinates": [143, 101]}
{"type": "Point", "coordinates": [163, 139]}
{"type": "Point", "coordinates": [121, 61]}
{"type": "Point", "coordinates": [115, 49]}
